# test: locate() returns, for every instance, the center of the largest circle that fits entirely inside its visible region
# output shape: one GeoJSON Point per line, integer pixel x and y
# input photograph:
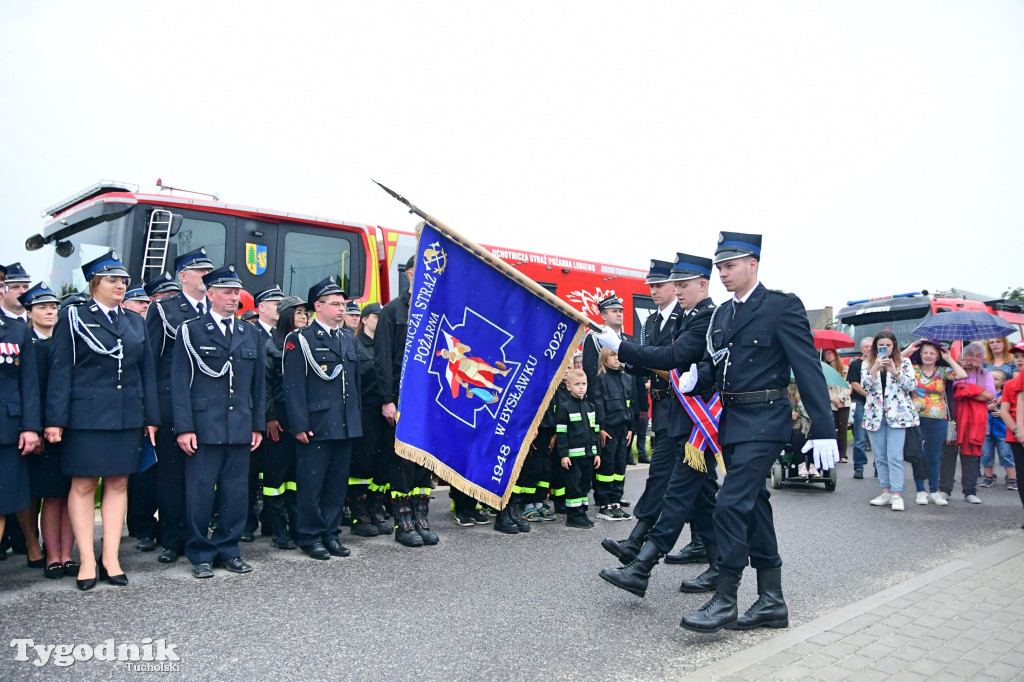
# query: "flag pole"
{"type": "Point", "coordinates": [496, 263]}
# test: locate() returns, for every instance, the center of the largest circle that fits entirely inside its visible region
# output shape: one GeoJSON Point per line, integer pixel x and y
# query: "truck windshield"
{"type": "Point", "coordinates": [66, 276]}
{"type": "Point", "coordinates": [899, 322]}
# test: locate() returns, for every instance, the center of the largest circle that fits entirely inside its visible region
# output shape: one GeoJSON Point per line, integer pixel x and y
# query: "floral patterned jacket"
{"type": "Point", "coordinates": [898, 408]}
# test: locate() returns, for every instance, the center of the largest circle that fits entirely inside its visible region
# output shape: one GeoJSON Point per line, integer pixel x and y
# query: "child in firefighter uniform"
{"type": "Point", "coordinates": [614, 398]}
{"type": "Point", "coordinates": [576, 438]}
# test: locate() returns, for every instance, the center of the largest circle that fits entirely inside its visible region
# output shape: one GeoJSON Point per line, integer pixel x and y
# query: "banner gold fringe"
{"type": "Point", "coordinates": [695, 458]}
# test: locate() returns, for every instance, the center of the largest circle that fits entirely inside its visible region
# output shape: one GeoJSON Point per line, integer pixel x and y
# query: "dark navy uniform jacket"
{"type": "Point", "coordinates": [687, 347]}
{"type": "Point", "coordinates": [389, 345]}
{"type": "Point", "coordinates": [769, 335]}
{"type": "Point", "coordinates": [176, 309]}
{"type": "Point", "coordinates": [204, 405]}
{"type": "Point", "coordinates": [330, 409]}
{"type": "Point", "coordinates": [84, 392]}
{"type": "Point", "coordinates": [19, 382]}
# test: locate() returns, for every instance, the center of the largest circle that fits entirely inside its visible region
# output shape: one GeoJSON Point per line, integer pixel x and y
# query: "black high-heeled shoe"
{"type": "Point", "coordinates": [36, 563]}
{"type": "Point", "coordinates": [119, 580]}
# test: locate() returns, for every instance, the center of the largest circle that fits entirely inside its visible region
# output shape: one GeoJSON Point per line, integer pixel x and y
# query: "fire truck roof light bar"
{"type": "Point", "coordinates": [92, 190]}
{"type": "Point", "coordinates": [882, 298]}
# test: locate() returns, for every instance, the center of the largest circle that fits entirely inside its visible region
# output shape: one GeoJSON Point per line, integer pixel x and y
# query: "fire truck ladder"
{"type": "Point", "coordinates": [158, 237]}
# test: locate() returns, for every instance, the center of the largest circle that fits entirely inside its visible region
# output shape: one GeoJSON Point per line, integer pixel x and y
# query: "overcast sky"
{"type": "Point", "coordinates": [877, 146]}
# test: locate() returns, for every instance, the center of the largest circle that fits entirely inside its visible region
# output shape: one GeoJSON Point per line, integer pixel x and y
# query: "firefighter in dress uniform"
{"type": "Point", "coordinates": [321, 397]}
{"type": "Point", "coordinates": [410, 482]}
{"type": "Point", "coordinates": [217, 390]}
{"type": "Point", "coordinates": [753, 342]}
{"type": "Point", "coordinates": [690, 494]}
{"type": "Point", "coordinates": [47, 482]}
{"type": "Point", "coordinates": [163, 319]}
{"type": "Point", "coordinates": [20, 419]}
{"type": "Point", "coordinates": [100, 398]}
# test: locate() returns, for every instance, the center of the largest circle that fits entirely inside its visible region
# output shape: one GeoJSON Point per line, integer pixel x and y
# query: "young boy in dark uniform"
{"type": "Point", "coordinates": [576, 439]}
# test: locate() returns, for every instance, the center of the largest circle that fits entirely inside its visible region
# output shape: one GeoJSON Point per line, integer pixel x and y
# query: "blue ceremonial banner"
{"type": "Point", "coordinates": [486, 350]}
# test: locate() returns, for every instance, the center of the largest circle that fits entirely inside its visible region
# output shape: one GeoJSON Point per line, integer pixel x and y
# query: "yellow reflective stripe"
{"type": "Point", "coordinates": [601, 478]}
{"type": "Point", "coordinates": [528, 491]}
{"type": "Point", "coordinates": [576, 502]}
{"type": "Point", "coordinates": [558, 492]}
{"type": "Point", "coordinates": [543, 484]}
{"type": "Point", "coordinates": [517, 489]}
{"type": "Point", "coordinates": [360, 481]}
{"type": "Point", "coordinates": [619, 477]}
{"type": "Point", "coordinates": [575, 417]}
{"type": "Point", "coordinates": [291, 485]}
{"type": "Point", "coordinates": [561, 428]}
{"type": "Point", "coordinates": [274, 492]}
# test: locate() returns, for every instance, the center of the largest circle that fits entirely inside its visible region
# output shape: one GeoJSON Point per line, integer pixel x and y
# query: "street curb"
{"type": "Point", "coordinates": [990, 556]}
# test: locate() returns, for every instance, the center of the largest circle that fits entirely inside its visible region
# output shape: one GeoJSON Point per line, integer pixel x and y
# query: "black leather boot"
{"type": "Point", "coordinates": [769, 611]}
{"type": "Point", "coordinates": [706, 581]}
{"type": "Point", "coordinates": [720, 611]}
{"type": "Point", "coordinates": [363, 526]}
{"type": "Point", "coordinates": [377, 509]}
{"type": "Point", "coordinates": [626, 549]}
{"type": "Point", "coordinates": [281, 539]}
{"type": "Point", "coordinates": [405, 525]}
{"type": "Point", "coordinates": [693, 553]}
{"type": "Point", "coordinates": [421, 507]}
{"type": "Point", "coordinates": [504, 523]}
{"type": "Point", "coordinates": [633, 576]}
{"type": "Point", "coordinates": [515, 505]}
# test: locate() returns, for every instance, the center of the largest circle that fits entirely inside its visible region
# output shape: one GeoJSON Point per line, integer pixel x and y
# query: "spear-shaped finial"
{"type": "Point", "coordinates": [399, 197]}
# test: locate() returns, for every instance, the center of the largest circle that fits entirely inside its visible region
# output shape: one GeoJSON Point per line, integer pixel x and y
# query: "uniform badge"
{"type": "Point", "coordinates": [323, 367]}
{"type": "Point", "coordinates": [721, 237]}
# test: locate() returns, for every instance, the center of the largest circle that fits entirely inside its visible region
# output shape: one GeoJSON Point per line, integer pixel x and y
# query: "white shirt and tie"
{"type": "Point", "coordinates": [225, 324]}
{"type": "Point", "coordinates": [198, 305]}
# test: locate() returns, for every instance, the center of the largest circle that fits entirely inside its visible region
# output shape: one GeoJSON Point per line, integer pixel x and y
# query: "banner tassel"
{"type": "Point", "coordinates": [694, 457]}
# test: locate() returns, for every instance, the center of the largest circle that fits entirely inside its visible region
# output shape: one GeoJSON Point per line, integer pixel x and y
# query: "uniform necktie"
{"type": "Point", "coordinates": [227, 328]}
{"type": "Point", "coordinates": [200, 308]}
{"type": "Point", "coordinates": [112, 315]}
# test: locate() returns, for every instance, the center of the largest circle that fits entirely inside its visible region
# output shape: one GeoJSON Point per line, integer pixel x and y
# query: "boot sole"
{"type": "Point", "coordinates": [690, 590]}
{"type": "Point", "coordinates": [631, 590]}
{"type": "Point", "coordinates": [783, 623]}
{"type": "Point", "coordinates": [705, 631]}
{"type": "Point", "coordinates": [701, 560]}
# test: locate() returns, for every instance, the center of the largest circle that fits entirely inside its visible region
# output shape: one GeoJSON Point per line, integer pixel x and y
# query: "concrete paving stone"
{"type": "Point", "coordinates": [826, 638]}
{"type": "Point", "coordinates": [931, 621]}
{"type": "Point", "coordinates": [960, 644]}
{"type": "Point", "coordinates": [993, 646]}
{"type": "Point", "coordinates": [1014, 658]}
{"type": "Point", "coordinates": [989, 678]}
{"type": "Point", "coordinates": [793, 672]}
{"type": "Point", "coordinates": [858, 662]}
{"type": "Point", "coordinates": [877, 650]}
{"type": "Point", "coordinates": [946, 655]}
{"type": "Point", "coordinates": [897, 640]}
{"type": "Point", "coordinates": [975, 635]}
{"type": "Point", "coordinates": [848, 628]}
{"type": "Point", "coordinates": [840, 649]}
{"type": "Point", "coordinates": [870, 675]}
{"type": "Point", "coordinates": [946, 676]}
{"type": "Point", "coordinates": [883, 610]}
{"type": "Point", "coordinates": [860, 639]}
{"type": "Point", "coordinates": [891, 664]}
{"type": "Point", "coordinates": [908, 676]}
{"type": "Point", "coordinates": [782, 659]}
{"type": "Point", "coordinates": [833, 673]}
{"type": "Point", "coordinates": [757, 671]}
{"type": "Point", "coordinates": [929, 666]}
{"type": "Point", "coordinates": [929, 642]}
{"type": "Point", "coordinates": [1005, 616]}
{"type": "Point", "coordinates": [880, 630]}
{"type": "Point", "coordinates": [958, 624]}
{"type": "Point", "coordinates": [898, 620]}
{"type": "Point", "coordinates": [979, 656]}
{"type": "Point", "coordinates": [915, 631]}
{"type": "Point", "coordinates": [734, 678]}
{"type": "Point", "coordinates": [911, 653]}
{"type": "Point", "coordinates": [1002, 671]}
{"type": "Point", "coordinates": [964, 669]}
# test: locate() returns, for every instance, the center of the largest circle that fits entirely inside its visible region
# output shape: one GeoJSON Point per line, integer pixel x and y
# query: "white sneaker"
{"type": "Point", "coordinates": [944, 496]}
{"type": "Point", "coordinates": [922, 498]}
{"type": "Point", "coordinates": [801, 469]}
{"type": "Point", "coordinates": [973, 499]}
{"type": "Point", "coordinates": [812, 470]}
{"type": "Point", "coordinates": [883, 500]}
{"type": "Point", "coordinates": [897, 503]}
{"type": "Point", "coordinates": [938, 499]}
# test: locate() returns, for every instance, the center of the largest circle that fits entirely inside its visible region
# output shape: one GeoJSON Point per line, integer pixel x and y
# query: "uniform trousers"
{"type": "Point", "coordinates": [577, 481]}
{"type": "Point", "coordinates": [406, 478]}
{"type": "Point", "coordinates": [743, 520]}
{"type": "Point", "coordinates": [170, 491]}
{"type": "Point", "coordinates": [216, 480]}
{"type": "Point", "coordinates": [321, 482]}
{"type": "Point", "coordinates": [663, 463]}
{"type": "Point", "coordinates": [610, 476]}
{"type": "Point", "coordinates": [143, 503]}
{"type": "Point", "coordinates": [690, 497]}
{"type": "Point", "coordinates": [252, 520]}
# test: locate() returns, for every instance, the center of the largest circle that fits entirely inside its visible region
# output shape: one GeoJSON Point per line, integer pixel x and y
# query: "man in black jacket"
{"type": "Point", "coordinates": [410, 482]}
{"type": "Point", "coordinates": [321, 397]}
{"type": "Point", "coordinates": [690, 493]}
{"type": "Point", "coordinates": [754, 341]}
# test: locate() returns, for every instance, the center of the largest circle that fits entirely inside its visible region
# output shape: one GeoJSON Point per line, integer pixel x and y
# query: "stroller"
{"type": "Point", "coordinates": [787, 465]}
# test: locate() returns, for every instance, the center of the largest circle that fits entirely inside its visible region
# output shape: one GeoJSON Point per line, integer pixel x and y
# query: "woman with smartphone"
{"type": "Point", "coordinates": [889, 411]}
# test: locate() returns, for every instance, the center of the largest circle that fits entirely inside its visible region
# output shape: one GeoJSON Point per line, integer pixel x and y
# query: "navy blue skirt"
{"type": "Point", "coordinates": [44, 475]}
{"type": "Point", "coordinates": [14, 493]}
{"type": "Point", "coordinates": [88, 454]}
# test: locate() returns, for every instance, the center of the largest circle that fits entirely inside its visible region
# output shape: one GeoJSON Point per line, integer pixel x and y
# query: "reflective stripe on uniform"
{"type": "Point", "coordinates": [577, 452]}
{"type": "Point", "coordinates": [543, 484]}
{"type": "Point", "coordinates": [601, 478]}
{"type": "Point", "coordinates": [576, 502]}
{"type": "Point", "coordinates": [575, 417]}
{"type": "Point", "coordinates": [619, 477]}
{"type": "Point", "coordinates": [561, 428]}
{"type": "Point", "coordinates": [558, 492]}
{"type": "Point", "coordinates": [360, 481]}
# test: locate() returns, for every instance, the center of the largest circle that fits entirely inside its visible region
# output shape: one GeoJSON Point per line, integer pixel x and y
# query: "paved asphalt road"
{"type": "Point", "coordinates": [481, 605]}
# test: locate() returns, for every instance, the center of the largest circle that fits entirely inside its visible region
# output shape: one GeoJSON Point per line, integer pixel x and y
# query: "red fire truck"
{"type": "Point", "coordinates": [291, 249]}
{"type": "Point", "coordinates": [902, 313]}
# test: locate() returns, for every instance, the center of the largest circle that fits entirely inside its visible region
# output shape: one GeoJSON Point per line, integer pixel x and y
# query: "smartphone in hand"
{"type": "Point", "coordinates": [883, 352]}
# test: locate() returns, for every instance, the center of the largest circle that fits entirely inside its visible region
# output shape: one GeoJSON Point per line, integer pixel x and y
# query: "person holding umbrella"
{"type": "Point", "coordinates": [934, 369]}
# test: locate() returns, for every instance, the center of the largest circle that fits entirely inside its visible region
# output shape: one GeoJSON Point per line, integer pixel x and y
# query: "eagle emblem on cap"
{"type": "Point", "coordinates": [231, 268]}
{"type": "Point", "coordinates": [652, 262]}
{"type": "Point", "coordinates": [721, 237]}
{"type": "Point", "coordinates": [202, 250]}
{"type": "Point", "coordinates": [113, 254]}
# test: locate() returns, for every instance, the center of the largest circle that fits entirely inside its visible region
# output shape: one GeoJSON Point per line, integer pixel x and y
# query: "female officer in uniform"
{"type": "Point", "coordinates": [19, 414]}
{"type": "Point", "coordinates": [45, 478]}
{"type": "Point", "coordinates": [100, 394]}
{"type": "Point", "coordinates": [279, 453]}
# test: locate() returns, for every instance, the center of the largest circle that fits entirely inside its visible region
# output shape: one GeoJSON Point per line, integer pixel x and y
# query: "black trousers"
{"type": "Point", "coordinates": [321, 482]}
{"type": "Point", "coordinates": [406, 478]}
{"type": "Point", "coordinates": [170, 490]}
{"type": "Point", "coordinates": [369, 461]}
{"type": "Point", "coordinates": [577, 481]}
{"type": "Point", "coordinates": [690, 497]}
{"type": "Point", "coordinates": [216, 481]}
{"type": "Point", "coordinates": [663, 462]}
{"type": "Point", "coordinates": [743, 520]}
{"type": "Point", "coordinates": [1018, 456]}
{"type": "Point", "coordinates": [609, 477]}
{"type": "Point", "coordinates": [143, 502]}
{"type": "Point", "coordinates": [252, 521]}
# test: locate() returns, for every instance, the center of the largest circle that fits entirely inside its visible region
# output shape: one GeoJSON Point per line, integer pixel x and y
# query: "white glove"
{"type": "Point", "coordinates": [826, 452]}
{"type": "Point", "coordinates": [609, 339]}
{"type": "Point", "coordinates": [688, 379]}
